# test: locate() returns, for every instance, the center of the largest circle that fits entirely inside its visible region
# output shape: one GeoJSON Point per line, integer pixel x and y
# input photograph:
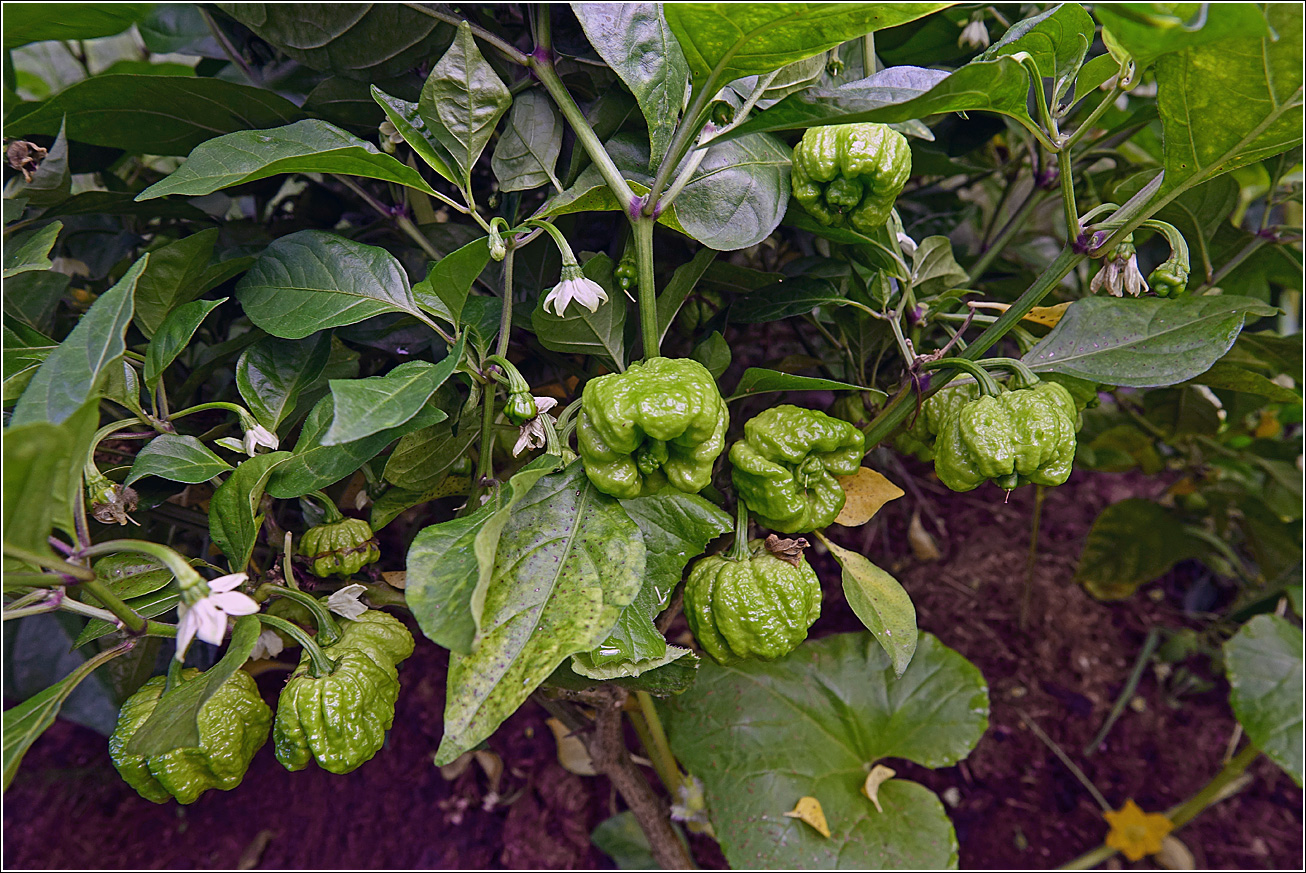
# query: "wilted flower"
{"type": "Point", "coordinates": [533, 434]}
{"type": "Point", "coordinates": [574, 286]}
{"type": "Point", "coordinates": [974, 35]}
{"type": "Point", "coordinates": [206, 617]}
{"type": "Point", "coordinates": [1120, 272]}
{"type": "Point", "coordinates": [268, 645]}
{"type": "Point", "coordinates": [346, 601]}
{"type": "Point", "coordinates": [256, 435]}
{"type": "Point", "coordinates": [907, 244]}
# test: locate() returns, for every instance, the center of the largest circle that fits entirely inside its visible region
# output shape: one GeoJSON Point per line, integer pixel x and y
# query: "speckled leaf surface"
{"type": "Point", "coordinates": [568, 561]}
{"type": "Point", "coordinates": [762, 735]}
{"type": "Point", "coordinates": [1264, 661]}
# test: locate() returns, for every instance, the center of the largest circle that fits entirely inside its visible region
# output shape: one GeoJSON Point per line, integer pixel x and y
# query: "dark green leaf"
{"type": "Point", "coordinates": [714, 353]}
{"type": "Point", "coordinates": [36, 457]}
{"type": "Point", "coordinates": [33, 297]}
{"type": "Point", "coordinates": [173, 335]}
{"type": "Point", "coordinates": [528, 148]}
{"type": "Point", "coordinates": [365, 406]}
{"type": "Point", "coordinates": [156, 115]}
{"type": "Point", "coordinates": [130, 575]}
{"type": "Point", "coordinates": [124, 203]}
{"type": "Point", "coordinates": [444, 290]}
{"type": "Point", "coordinates": [174, 276]}
{"type": "Point", "coordinates": [1264, 661]}
{"type": "Point", "coordinates": [71, 373]}
{"type": "Point", "coordinates": [680, 287]}
{"type": "Point", "coordinates": [1231, 377]}
{"type": "Point", "coordinates": [880, 603]}
{"type": "Point", "coordinates": [620, 837]}
{"type": "Point", "coordinates": [1144, 342]}
{"type": "Point", "coordinates": [1057, 40]}
{"type": "Point", "coordinates": [934, 270]}
{"type": "Point", "coordinates": [424, 457]}
{"type": "Point", "coordinates": [1147, 32]}
{"type": "Point", "coordinates": [176, 458]}
{"type": "Point", "coordinates": [52, 180]}
{"type": "Point", "coordinates": [759, 381]}
{"type": "Point", "coordinates": [234, 517]}
{"type": "Point", "coordinates": [829, 711]}
{"type": "Point", "coordinates": [271, 374]}
{"type": "Point", "coordinates": [785, 299]}
{"type": "Point", "coordinates": [442, 574]}
{"type": "Point", "coordinates": [738, 195]}
{"type": "Point", "coordinates": [312, 280]}
{"type": "Point", "coordinates": [1131, 543]}
{"type": "Point", "coordinates": [36, 22]}
{"type": "Point", "coordinates": [309, 146]}
{"type": "Point", "coordinates": [30, 250]}
{"type": "Point", "coordinates": [404, 116]}
{"type": "Point", "coordinates": [599, 333]}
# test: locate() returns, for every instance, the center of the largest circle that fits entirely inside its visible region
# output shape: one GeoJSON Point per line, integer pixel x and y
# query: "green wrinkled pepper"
{"type": "Point", "coordinates": [233, 725]}
{"type": "Point", "coordinates": [661, 423]}
{"type": "Point", "coordinates": [1014, 438]}
{"type": "Point", "coordinates": [785, 465]}
{"type": "Point", "coordinates": [339, 548]}
{"type": "Point", "coordinates": [851, 173]}
{"type": "Point", "coordinates": [760, 607]}
{"type": "Point", "coordinates": [341, 718]}
{"type": "Point", "coordinates": [934, 413]}
{"type": "Point", "coordinates": [1169, 279]}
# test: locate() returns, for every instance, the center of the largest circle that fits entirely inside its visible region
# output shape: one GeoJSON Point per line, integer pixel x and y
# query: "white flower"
{"type": "Point", "coordinates": [257, 435]}
{"type": "Point", "coordinates": [1119, 275]}
{"type": "Point", "coordinates": [268, 645]}
{"type": "Point", "coordinates": [532, 432]}
{"type": "Point", "coordinates": [907, 244]}
{"type": "Point", "coordinates": [345, 602]}
{"type": "Point", "coordinates": [1135, 284]}
{"type": "Point", "coordinates": [574, 286]}
{"type": "Point", "coordinates": [207, 617]}
{"type": "Point", "coordinates": [974, 36]}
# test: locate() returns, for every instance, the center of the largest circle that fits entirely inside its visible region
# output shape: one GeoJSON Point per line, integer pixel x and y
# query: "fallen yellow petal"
{"type": "Point", "coordinates": [1048, 316]}
{"type": "Point", "coordinates": [1135, 833]}
{"type": "Point", "coordinates": [871, 787]}
{"type": "Point", "coordinates": [808, 810]}
{"type": "Point", "coordinates": [865, 492]}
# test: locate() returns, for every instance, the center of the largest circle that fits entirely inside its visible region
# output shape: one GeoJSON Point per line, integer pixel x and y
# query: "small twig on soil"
{"type": "Point", "coordinates": [1144, 656]}
{"type": "Point", "coordinates": [1032, 560]}
{"type": "Point", "coordinates": [1065, 759]}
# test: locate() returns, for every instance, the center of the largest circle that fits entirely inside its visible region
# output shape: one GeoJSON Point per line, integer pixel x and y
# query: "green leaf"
{"type": "Point", "coordinates": [312, 280]}
{"type": "Point", "coordinates": [1144, 342]}
{"type": "Point", "coordinates": [406, 119]}
{"type": "Point", "coordinates": [462, 101]}
{"type": "Point", "coordinates": [722, 42]}
{"type": "Point", "coordinates": [234, 517]}
{"type": "Point", "coordinates": [444, 291]}
{"type": "Point", "coordinates": [173, 335]}
{"type": "Point", "coordinates": [1251, 88]}
{"type": "Point", "coordinates": [365, 406]}
{"type": "Point", "coordinates": [880, 603]}
{"type": "Point", "coordinates": [272, 373]}
{"type": "Point", "coordinates": [24, 723]}
{"type": "Point", "coordinates": [759, 381]}
{"type": "Point", "coordinates": [713, 353]}
{"type": "Point", "coordinates": [934, 270]}
{"type": "Point", "coordinates": [528, 148]}
{"type": "Point", "coordinates": [568, 561]}
{"type": "Point", "coordinates": [71, 373]}
{"type": "Point", "coordinates": [156, 115]}
{"type": "Point", "coordinates": [176, 458]}
{"type": "Point", "coordinates": [1264, 662]}
{"type": "Point", "coordinates": [36, 457]}
{"type": "Point", "coordinates": [1057, 40]}
{"type": "Point", "coordinates": [130, 575]}
{"type": "Point", "coordinates": [33, 298]}
{"type": "Point", "coordinates": [364, 41]}
{"type": "Point", "coordinates": [30, 250]}
{"type": "Point", "coordinates": [309, 146]}
{"type": "Point", "coordinates": [423, 457]}
{"type": "Point", "coordinates": [33, 22]}
{"type": "Point", "coordinates": [173, 724]}
{"type": "Point", "coordinates": [315, 465]}
{"type": "Point", "coordinates": [620, 837]}
{"type": "Point", "coordinates": [146, 606]}
{"type": "Point", "coordinates": [442, 573]}
{"type": "Point", "coordinates": [1131, 543]}
{"type": "Point", "coordinates": [900, 94]}
{"type": "Point", "coordinates": [600, 333]}
{"type": "Point", "coordinates": [1231, 377]}
{"type": "Point", "coordinates": [52, 181]}
{"type": "Point", "coordinates": [605, 669]}
{"type": "Point", "coordinates": [785, 299]}
{"type": "Point", "coordinates": [682, 284]}
{"type": "Point", "coordinates": [671, 678]}
{"type": "Point", "coordinates": [829, 711]}
{"type": "Point", "coordinates": [1147, 30]}
{"type": "Point", "coordinates": [635, 41]}
{"type": "Point", "coordinates": [175, 275]}
{"type": "Point", "coordinates": [738, 195]}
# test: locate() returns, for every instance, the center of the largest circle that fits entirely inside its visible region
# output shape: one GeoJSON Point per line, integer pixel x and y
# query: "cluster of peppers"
{"type": "Point", "coordinates": [335, 708]}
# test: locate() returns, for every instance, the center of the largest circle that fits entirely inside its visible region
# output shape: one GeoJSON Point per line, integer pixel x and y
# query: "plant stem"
{"type": "Point", "coordinates": [328, 632]}
{"type": "Point", "coordinates": [1093, 116]}
{"type": "Point", "coordinates": [1032, 558]}
{"type": "Point", "coordinates": [319, 664]}
{"type": "Point", "coordinates": [987, 384]}
{"type": "Point", "coordinates": [685, 134]}
{"type": "Point", "coordinates": [1009, 230]}
{"type": "Point", "coordinates": [648, 306]}
{"type": "Point", "coordinates": [1149, 646]}
{"type": "Point", "coordinates": [1073, 229]}
{"type": "Point", "coordinates": [505, 317]}
{"type": "Point", "coordinates": [654, 739]}
{"type": "Point", "coordinates": [131, 620]}
{"type": "Point", "coordinates": [509, 51]}
{"type": "Point", "coordinates": [82, 574]}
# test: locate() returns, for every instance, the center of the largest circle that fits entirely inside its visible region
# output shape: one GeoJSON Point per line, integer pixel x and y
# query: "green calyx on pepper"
{"type": "Point", "coordinates": [1170, 278]}
{"type": "Point", "coordinates": [757, 607]}
{"type": "Point", "coordinates": [339, 548]}
{"type": "Point", "coordinates": [232, 726]}
{"type": "Point", "coordinates": [662, 423]}
{"type": "Point", "coordinates": [934, 412]}
{"type": "Point", "coordinates": [340, 718]}
{"type": "Point", "coordinates": [786, 463]}
{"type": "Point", "coordinates": [520, 406]}
{"type": "Point", "coordinates": [850, 173]}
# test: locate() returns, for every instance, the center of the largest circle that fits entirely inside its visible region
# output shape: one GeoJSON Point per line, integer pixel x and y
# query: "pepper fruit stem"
{"type": "Point", "coordinates": [319, 664]}
{"type": "Point", "coordinates": [987, 385]}
{"type": "Point", "coordinates": [328, 632]}
{"type": "Point", "coordinates": [739, 551]}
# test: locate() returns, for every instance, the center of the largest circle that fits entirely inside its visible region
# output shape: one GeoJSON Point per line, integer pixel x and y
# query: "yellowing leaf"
{"type": "Point", "coordinates": [1135, 833]}
{"type": "Point", "coordinates": [866, 491]}
{"type": "Point", "coordinates": [879, 775]}
{"type": "Point", "coordinates": [572, 754]}
{"type": "Point", "coordinates": [808, 810]}
{"type": "Point", "coordinates": [922, 544]}
{"type": "Point", "coordinates": [1048, 316]}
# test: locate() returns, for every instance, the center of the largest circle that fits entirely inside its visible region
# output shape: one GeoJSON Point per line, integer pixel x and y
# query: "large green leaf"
{"type": "Point", "coordinates": [1149, 30]}
{"type": "Point", "coordinates": [724, 41]}
{"type": "Point", "coordinates": [234, 516]}
{"type": "Point", "coordinates": [881, 604]}
{"type": "Point", "coordinates": [309, 146]}
{"type": "Point", "coordinates": [462, 101]}
{"type": "Point", "coordinates": [364, 406]}
{"type": "Point", "coordinates": [156, 115]}
{"type": "Point", "coordinates": [635, 41]}
{"type": "Point", "coordinates": [444, 291]}
{"type": "Point", "coordinates": [312, 280]}
{"type": "Point", "coordinates": [738, 195]}
{"type": "Point", "coordinates": [174, 276]}
{"type": "Point", "coordinates": [1264, 661]}
{"type": "Point", "coordinates": [174, 335]}
{"type": "Point", "coordinates": [52, 181]}
{"type": "Point", "coordinates": [37, 22]}
{"type": "Point", "coordinates": [33, 297]}
{"type": "Point", "coordinates": [30, 250]}
{"type": "Point", "coordinates": [785, 299]}
{"type": "Point", "coordinates": [1131, 543]}
{"type": "Point", "coordinates": [72, 371]}
{"type": "Point", "coordinates": [271, 374]}
{"type": "Point", "coordinates": [423, 457]}
{"type": "Point", "coordinates": [600, 333]}
{"type": "Point", "coordinates": [176, 458]}
{"type": "Point", "coordinates": [757, 380]}
{"type": "Point", "coordinates": [1228, 104]}
{"type": "Point", "coordinates": [568, 561]}
{"type": "Point", "coordinates": [762, 735]}
{"type": "Point", "coordinates": [1145, 342]}
{"type": "Point", "coordinates": [365, 41]}
{"type": "Point", "coordinates": [1057, 40]}
{"type": "Point", "coordinates": [36, 457]}
{"type": "Point", "coordinates": [527, 153]}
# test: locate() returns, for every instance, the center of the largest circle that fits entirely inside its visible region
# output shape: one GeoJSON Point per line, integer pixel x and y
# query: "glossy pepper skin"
{"type": "Point", "coordinates": [757, 608]}
{"type": "Point", "coordinates": [1169, 279]}
{"type": "Point", "coordinates": [661, 423]}
{"type": "Point", "coordinates": [785, 465]}
{"type": "Point", "coordinates": [233, 725]}
{"type": "Point", "coordinates": [850, 173]}
{"type": "Point", "coordinates": [934, 412]}
{"type": "Point", "coordinates": [340, 548]}
{"type": "Point", "coordinates": [341, 718]}
{"type": "Point", "coordinates": [1013, 438]}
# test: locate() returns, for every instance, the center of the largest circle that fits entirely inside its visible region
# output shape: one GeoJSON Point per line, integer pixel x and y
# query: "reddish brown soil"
{"type": "Point", "coordinates": [1016, 805]}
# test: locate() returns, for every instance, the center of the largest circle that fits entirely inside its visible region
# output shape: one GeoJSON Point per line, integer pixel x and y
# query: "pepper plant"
{"type": "Point", "coordinates": [442, 310]}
